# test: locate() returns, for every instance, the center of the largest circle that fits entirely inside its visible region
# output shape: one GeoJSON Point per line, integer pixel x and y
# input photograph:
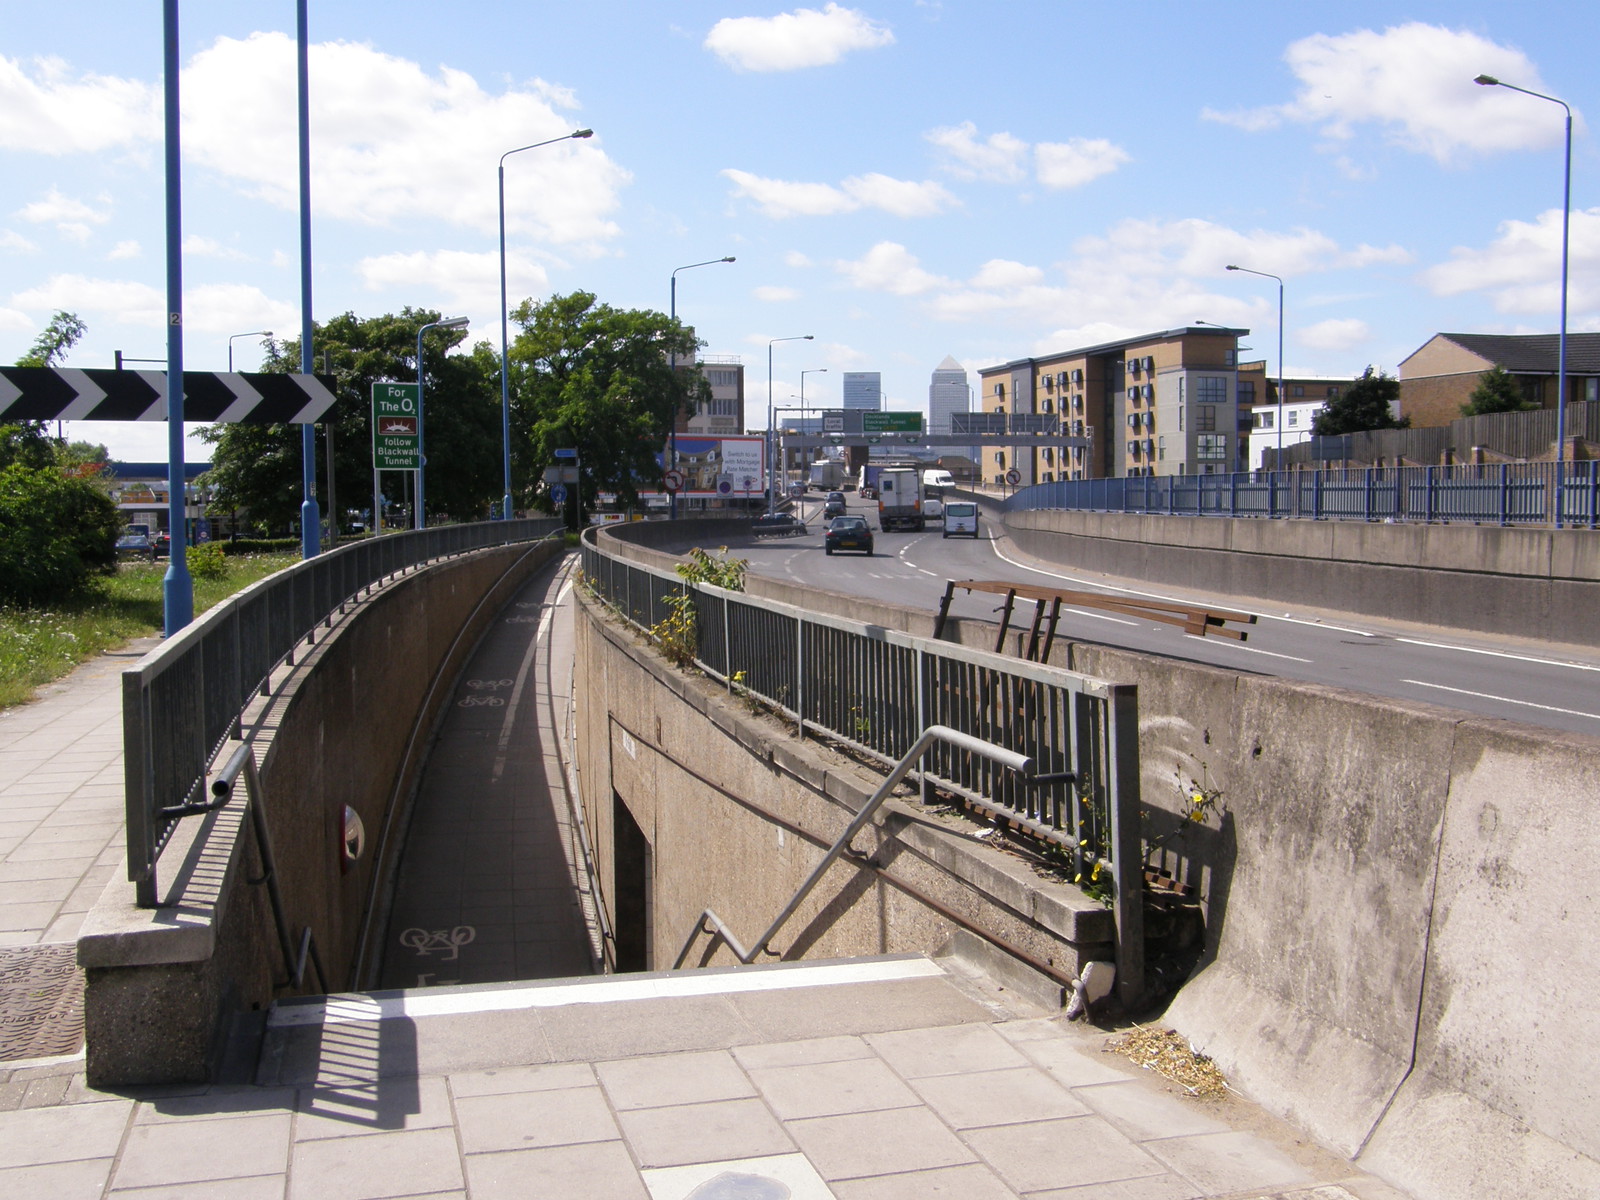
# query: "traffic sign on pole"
{"type": "Point", "coordinates": [570, 452]}
{"type": "Point", "coordinates": [674, 480]}
{"type": "Point", "coordinates": [394, 427]}
{"type": "Point", "coordinates": [558, 494]}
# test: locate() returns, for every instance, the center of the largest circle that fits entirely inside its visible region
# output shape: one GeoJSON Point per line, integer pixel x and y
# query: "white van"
{"type": "Point", "coordinates": [961, 518]}
{"type": "Point", "coordinates": [936, 478]}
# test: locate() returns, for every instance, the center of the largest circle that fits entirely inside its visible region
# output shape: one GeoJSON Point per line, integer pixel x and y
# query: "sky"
{"type": "Point", "coordinates": [900, 179]}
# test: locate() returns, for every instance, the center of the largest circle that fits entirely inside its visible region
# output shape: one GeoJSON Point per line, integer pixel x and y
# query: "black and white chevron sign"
{"type": "Point", "coordinates": [248, 398]}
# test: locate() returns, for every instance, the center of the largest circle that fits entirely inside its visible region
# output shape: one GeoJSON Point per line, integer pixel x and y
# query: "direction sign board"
{"type": "Point", "coordinates": [569, 452]}
{"type": "Point", "coordinates": [891, 422]}
{"type": "Point", "coordinates": [395, 421]}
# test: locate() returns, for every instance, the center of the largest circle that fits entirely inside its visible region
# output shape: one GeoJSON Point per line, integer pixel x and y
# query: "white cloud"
{"type": "Point", "coordinates": [1521, 268]}
{"type": "Point", "coordinates": [220, 308]}
{"type": "Point", "coordinates": [999, 157]}
{"type": "Point", "coordinates": [889, 267]}
{"type": "Point", "coordinates": [796, 259]}
{"type": "Point", "coordinates": [125, 249]}
{"type": "Point", "coordinates": [465, 280]}
{"type": "Point", "coordinates": [44, 111]}
{"type": "Point", "coordinates": [779, 198]}
{"type": "Point", "coordinates": [226, 308]}
{"type": "Point", "coordinates": [790, 41]}
{"type": "Point", "coordinates": [73, 219]}
{"type": "Point", "coordinates": [1076, 162]}
{"type": "Point", "coordinates": [1003, 273]}
{"type": "Point", "coordinates": [12, 319]}
{"type": "Point", "coordinates": [391, 141]}
{"type": "Point", "coordinates": [13, 242]}
{"type": "Point", "coordinates": [205, 247]}
{"type": "Point", "coordinates": [775, 295]}
{"type": "Point", "coordinates": [1414, 81]}
{"type": "Point", "coordinates": [1336, 334]}
{"type": "Point", "coordinates": [1367, 256]}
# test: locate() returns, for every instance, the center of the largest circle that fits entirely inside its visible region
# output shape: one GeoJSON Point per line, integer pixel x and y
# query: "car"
{"type": "Point", "coordinates": [961, 519]}
{"type": "Point", "coordinates": [777, 525]}
{"type": "Point", "coordinates": [136, 544]}
{"type": "Point", "coordinates": [848, 533]}
{"type": "Point", "coordinates": [833, 506]}
{"type": "Point", "coordinates": [162, 541]}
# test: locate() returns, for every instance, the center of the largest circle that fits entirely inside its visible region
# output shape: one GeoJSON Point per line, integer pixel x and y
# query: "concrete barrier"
{"type": "Point", "coordinates": [163, 984]}
{"type": "Point", "coordinates": [1541, 583]}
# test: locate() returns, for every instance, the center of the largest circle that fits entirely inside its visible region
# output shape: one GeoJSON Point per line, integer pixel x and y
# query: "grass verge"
{"type": "Point", "coordinates": [38, 646]}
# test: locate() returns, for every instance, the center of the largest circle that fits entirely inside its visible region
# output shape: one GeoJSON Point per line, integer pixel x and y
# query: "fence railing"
{"type": "Point", "coordinates": [1497, 494]}
{"type": "Point", "coordinates": [877, 691]}
{"type": "Point", "coordinates": [182, 701]}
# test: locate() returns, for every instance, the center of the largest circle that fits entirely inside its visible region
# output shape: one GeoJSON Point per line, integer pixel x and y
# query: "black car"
{"type": "Point", "coordinates": [848, 533]}
{"type": "Point", "coordinates": [777, 525]}
{"type": "Point", "coordinates": [833, 506]}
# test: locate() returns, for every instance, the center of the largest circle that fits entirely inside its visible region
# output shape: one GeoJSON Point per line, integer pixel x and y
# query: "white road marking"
{"type": "Point", "coordinates": [1078, 612]}
{"type": "Point", "coordinates": [1233, 645]}
{"type": "Point", "coordinates": [523, 672]}
{"type": "Point", "coordinates": [1527, 658]}
{"type": "Point", "coordinates": [1567, 712]}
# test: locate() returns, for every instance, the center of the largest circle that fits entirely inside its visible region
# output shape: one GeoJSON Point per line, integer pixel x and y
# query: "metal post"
{"type": "Point", "coordinates": [672, 430]}
{"type": "Point", "coordinates": [310, 518]}
{"type": "Point", "coordinates": [177, 587]}
{"type": "Point", "coordinates": [420, 518]}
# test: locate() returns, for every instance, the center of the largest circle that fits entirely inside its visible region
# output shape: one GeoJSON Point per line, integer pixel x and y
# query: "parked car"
{"type": "Point", "coordinates": [848, 533]}
{"type": "Point", "coordinates": [960, 519]}
{"type": "Point", "coordinates": [777, 525]}
{"type": "Point", "coordinates": [136, 544]}
{"type": "Point", "coordinates": [833, 506]}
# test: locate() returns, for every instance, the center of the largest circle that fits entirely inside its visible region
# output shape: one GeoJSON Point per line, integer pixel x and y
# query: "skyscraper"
{"type": "Point", "coordinates": [864, 390]}
{"type": "Point", "coordinates": [948, 393]}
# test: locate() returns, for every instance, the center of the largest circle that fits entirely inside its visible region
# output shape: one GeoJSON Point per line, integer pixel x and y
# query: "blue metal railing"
{"type": "Point", "coordinates": [183, 700]}
{"type": "Point", "coordinates": [1498, 494]}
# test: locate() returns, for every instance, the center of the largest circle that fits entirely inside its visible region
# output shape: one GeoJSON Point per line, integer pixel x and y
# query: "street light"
{"type": "Point", "coordinates": [420, 519]}
{"type": "Point", "coordinates": [1278, 462]}
{"type": "Point", "coordinates": [1561, 352]}
{"type": "Point", "coordinates": [266, 333]}
{"type": "Point", "coordinates": [505, 382]}
{"type": "Point", "coordinates": [772, 440]}
{"type": "Point", "coordinates": [803, 374]}
{"type": "Point", "coordinates": [672, 430]}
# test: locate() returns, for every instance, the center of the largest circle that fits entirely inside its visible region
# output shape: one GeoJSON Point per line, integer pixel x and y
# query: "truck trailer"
{"type": "Point", "coordinates": [900, 499]}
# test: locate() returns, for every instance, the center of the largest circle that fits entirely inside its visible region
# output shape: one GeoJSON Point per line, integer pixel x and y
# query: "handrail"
{"type": "Point", "coordinates": [1020, 763]}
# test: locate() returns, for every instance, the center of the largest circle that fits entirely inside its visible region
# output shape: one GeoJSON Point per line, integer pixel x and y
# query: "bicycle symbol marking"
{"type": "Point", "coordinates": [425, 941]}
{"type": "Point", "coordinates": [489, 685]}
{"type": "Point", "coordinates": [522, 620]}
{"type": "Point", "coordinates": [480, 702]}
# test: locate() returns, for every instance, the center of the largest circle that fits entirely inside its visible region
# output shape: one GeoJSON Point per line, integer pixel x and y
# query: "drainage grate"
{"type": "Point", "coordinates": [41, 1001]}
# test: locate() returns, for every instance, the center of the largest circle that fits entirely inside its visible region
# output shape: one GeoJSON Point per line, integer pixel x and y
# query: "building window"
{"type": "Point", "coordinates": [721, 377]}
{"type": "Point", "coordinates": [1211, 389]}
{"type": "Point", "coordinates": [1247, 392]}
{"type": "Point", "coordinates": [1591, 390]}
{"type": "Point", "coordinates": [1205, 417]}
{"type": "Point", "coordinates": [1266, 420]}
{"type": "Point", "coordinates": [1294, 419]}
{"type": "Point", "coordinates": [1211, 447]}
{"type": "Point", "coordinates": [1297, 390]}
{"type": "Point", "coordinates": [1532, 390]}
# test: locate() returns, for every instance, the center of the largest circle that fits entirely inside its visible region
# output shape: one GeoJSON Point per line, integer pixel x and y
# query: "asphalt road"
{"type": "Point", "coordinates": [1556, 687]}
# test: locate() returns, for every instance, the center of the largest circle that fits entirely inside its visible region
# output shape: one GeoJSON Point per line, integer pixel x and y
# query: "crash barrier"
{"type": "Point", "coordinates": [875, 691]}
{"type": "Point", "coordinates": [1492, 494]}
{"type": "Point", "coordinates": [182, 701]}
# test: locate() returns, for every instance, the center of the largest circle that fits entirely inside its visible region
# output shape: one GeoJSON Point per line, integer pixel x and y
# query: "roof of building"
{"type": "Point", "coordinates": [1533, 353]}
{"type": "Point", "coordinates": [1120, 344]}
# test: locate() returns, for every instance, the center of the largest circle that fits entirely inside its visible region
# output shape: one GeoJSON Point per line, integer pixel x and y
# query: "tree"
{"type": "Point", "coordinates": [1497, 392]}
{"type": "Point", "coordinates": [61, 333]}
{"type": "Point", "coordinates": [29, 442]}
{"type": "Point", "coordinates": [258, 468]}
{"type": "Point", "coordinates": [598, 379]}
{"type": "Point", "coordinates": [1365, 404]}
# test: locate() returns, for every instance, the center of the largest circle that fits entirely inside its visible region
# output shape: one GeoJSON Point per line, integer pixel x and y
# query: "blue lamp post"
{"type": "Point", "coordinates": [772, 438]}
{"type": "Point", "coordinates": [420, 521]}
{"type": "Point", "coordinates": [177, 585]}
{"type": "Point", "coordinates": [1561, 352]}
{"type": "Point", "coordinates": [505, 337]}
{"type": "Point", "coordinates": [672, 430]}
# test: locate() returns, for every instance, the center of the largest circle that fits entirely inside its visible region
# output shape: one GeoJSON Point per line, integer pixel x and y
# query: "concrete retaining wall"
{"type": "Point", "coordinates": [1400, 910]}
{"type": "Point", "coordinates": [164, 983]}
{"type": "Point", "coordinates": [1542, 583]}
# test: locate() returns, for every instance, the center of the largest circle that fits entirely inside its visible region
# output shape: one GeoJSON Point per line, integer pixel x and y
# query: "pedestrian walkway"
{"type": "Point", "coordinates": [873, 1079]}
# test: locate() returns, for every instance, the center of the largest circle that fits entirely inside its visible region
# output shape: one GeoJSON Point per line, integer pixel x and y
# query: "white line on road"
{"type": "Point", "coordinates": [1527, 658]}
{"type": "Point", "coordinates": [516, 692]}
{"type": "Point", "coordinates": [1099, 616]}
{"type": "Point", "coordinates": [1568, 712]}
{"type": "Point", "coordinates": [1233, 645]}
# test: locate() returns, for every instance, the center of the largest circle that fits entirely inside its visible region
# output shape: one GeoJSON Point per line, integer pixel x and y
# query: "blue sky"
{"type": "Point", "coordinates": [904, 180]}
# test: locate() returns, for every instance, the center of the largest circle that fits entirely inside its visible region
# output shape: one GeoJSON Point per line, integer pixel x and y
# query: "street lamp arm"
{"type": "Point", "coordinates": [576, 133]}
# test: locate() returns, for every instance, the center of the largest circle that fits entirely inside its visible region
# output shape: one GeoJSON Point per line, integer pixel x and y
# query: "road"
{"type": "Point", "coordinates": [1556, 687]}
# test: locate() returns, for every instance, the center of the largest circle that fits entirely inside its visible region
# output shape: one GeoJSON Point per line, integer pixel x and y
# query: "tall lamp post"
{"type": "Point", "coordinates": [1278, 462]}
{"type": "Point", "coordinates": [266, 333]}
{"type": "Point", "coordinates": [420, 518]}
{"type": "Point", "coordinates": [505, 339]}
{"type": "Point", "coordinates": [803, 374]}
{"type": "Point", "coordinates": [772, 439]}
{"type": "Point", "coordinates": [1561, 353]}
{"type": "Point", "coordinates": [672, 430]}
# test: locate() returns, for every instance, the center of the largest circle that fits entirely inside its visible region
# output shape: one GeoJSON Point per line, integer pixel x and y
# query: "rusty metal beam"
{"type": "Point", "coordinates": [1193, 619]}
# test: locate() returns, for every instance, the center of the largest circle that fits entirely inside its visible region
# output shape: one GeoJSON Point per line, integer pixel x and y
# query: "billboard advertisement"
{"type": "Point", "coordinates": [726, 468]}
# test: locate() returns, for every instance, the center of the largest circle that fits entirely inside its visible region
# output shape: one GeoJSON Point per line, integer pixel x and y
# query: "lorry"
{"type": "Point", "coordinates": [867, 477]}
{"type": "Point", "coordinates": [827, 475]}
{"type": "Point", "coordinates": [900, 499]}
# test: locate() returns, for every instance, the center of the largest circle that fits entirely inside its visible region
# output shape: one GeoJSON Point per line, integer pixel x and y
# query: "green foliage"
{"type": "Point", "coordinates": [722, 571]}
{"type": "Point", "coordinates": [1365, 404]}
{"type": "Point", "coordinates": [207, 561]}
{"type": "Point", "coordinates": [677, 633]}
{"type": "Point", "coordinates": [1497, 392]}
{"type": "Point", "coordinates": [257, 469]}
{"type": "Point", "coordinates": [589, 376]}
{"type": "Point", "coordinates": [240, 547]}
{"type": "Point", "coordinates": [50, 347]}
{"type": "Point", "coordinates": [55, 532]}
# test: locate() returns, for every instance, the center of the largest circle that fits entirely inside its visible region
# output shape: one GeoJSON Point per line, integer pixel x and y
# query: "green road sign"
{"type": "Point", "coordinates": [891, 422]}
{"type": "Point", "coordinates": [394, 427]}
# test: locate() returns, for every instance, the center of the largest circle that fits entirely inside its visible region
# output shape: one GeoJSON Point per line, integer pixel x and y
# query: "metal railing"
{"type": "Point", "coordinates": [877, 691]}
{"type": "Point", "coordinates": [1497, 494]}
{"type": "Point", "coordinates": [184, 699]}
